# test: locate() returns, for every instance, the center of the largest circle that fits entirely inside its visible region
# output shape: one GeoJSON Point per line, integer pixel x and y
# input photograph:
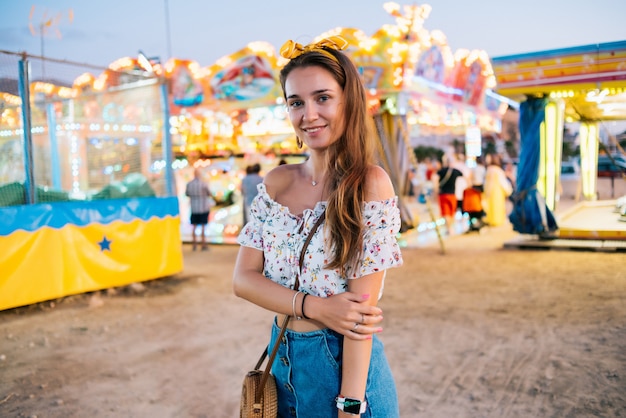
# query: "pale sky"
{"type": "Point", "coordinates": [206, 30]}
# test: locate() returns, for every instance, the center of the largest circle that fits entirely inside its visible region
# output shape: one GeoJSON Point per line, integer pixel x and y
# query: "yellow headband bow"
{"type": "Point", "coordinates": [291, 49]}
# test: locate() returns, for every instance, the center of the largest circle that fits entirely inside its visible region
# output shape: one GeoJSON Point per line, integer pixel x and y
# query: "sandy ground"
{"type": "Point", "coordinates": [480, 331]}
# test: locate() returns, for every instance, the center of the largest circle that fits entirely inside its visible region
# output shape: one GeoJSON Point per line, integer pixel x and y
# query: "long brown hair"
{"type": "Point", "coordinates": [347, 159]}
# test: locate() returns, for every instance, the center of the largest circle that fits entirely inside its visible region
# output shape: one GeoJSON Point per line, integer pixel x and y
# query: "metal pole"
{"type": "Point", "coordinates": [167, 30]}
{"type": "Point", "coordinates": [168, 155]}
{"type": "Point", "coordinates": [43, 62]}
{"type": "Point", "coordinates": [54, 147]}
{"type": "Point", "coordinates": [414, 163]}
{"type": "Point", "coordinates": [29, 186]}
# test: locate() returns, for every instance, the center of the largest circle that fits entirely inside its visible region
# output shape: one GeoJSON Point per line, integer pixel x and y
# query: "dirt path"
{"type": "Point", "coordinates": [478, 332]}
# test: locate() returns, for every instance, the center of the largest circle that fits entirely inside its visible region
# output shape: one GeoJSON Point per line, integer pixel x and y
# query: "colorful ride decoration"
{"type": "Point", "coordinates": [470, 76]}
{"type": "Point", "coordinates": [408, 70]}
{"type": "Point", "coordinates": [184, 89]}
{"type": "Point", "coordinates": [244, 79]}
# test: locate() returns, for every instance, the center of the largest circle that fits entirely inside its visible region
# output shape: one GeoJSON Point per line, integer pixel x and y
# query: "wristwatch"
{"type": "Point", "coordinates": [350, 405]}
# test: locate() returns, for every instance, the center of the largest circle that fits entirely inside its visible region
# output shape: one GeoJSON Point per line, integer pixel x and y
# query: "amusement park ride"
{"type": "Point", "coordinates": [584, 84]}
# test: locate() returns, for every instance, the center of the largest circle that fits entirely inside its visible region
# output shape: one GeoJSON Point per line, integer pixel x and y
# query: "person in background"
{"type": "Point", "coordinates": [497, 189]}
{"type": "Point", "coordinates": [579, 181]}
{"type": "Point", "coordinates": [445, 179]}
{"type": "Point", "coordinates": [421, 187]}
{"type": "Point", "coordinates": [331, 362]}
{"type": "Point", "coordinates": [422, 180]}
{"type": "Point", "coordinates": [249, 188]}
{"type": "Point", "coordinates": [200, 202]}
{"type": "Point", "coordinates": [431, 168]}
{"type": "Point", "coordinates": [462, 182]}
{"type": "Point", "coordinates": [509, 171]}
{"type": "Point", "coordinates": [478, 174]}
{"type": "Point", "coordinates": [511, 175]}
{"type": "Point", "coordinates": [411, 182]}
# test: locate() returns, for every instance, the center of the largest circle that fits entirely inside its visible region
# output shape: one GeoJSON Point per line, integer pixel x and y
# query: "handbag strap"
{"type": "Point", "coordinates": [283, 328]}
{"type": "Point", "coordinates": [446, 177]}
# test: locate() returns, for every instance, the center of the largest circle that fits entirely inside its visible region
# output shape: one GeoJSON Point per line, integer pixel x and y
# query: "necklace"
{"type": "Point", "coordinates": [313, 181]}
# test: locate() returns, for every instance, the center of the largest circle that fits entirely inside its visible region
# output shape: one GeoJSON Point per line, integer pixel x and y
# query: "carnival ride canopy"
{"type": "Point", "coordinates": [590, 79]}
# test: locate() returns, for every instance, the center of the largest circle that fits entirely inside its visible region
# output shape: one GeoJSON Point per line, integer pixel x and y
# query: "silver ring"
{"type": "Point", "coordinates": [362, 319]}
{"type": "Point", "coordinates": [356, 325]}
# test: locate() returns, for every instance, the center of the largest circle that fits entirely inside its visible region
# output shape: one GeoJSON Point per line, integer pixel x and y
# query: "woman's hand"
{"type": "Point", "coordinates": [349, 314]}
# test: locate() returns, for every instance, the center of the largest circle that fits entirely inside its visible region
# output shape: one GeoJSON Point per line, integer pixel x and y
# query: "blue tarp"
{"type": "Point", "coordinates": [82, 213]}
{"type": "Point", "coordinates": [530, 213]}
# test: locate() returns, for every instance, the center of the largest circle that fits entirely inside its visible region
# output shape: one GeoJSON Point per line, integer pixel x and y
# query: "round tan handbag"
{"type": "Point", "coordinates": [255, 404]}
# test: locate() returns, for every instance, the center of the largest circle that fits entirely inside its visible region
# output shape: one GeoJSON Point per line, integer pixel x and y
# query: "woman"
{"type": "Point", "coordinates": [497, 190]}
{"type": "Point", "coordinates": [330, 361]}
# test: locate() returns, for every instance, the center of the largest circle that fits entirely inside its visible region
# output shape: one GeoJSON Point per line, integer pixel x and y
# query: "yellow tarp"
{"type": "Point", "coordinates": [48, 262]}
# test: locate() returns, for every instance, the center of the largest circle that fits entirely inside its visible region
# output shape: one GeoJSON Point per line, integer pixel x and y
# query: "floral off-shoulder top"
{"type": "Point", "coordinates": [280, 235]}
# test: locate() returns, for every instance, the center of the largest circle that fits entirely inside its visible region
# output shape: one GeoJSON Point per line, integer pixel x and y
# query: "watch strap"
{"type": "Point", "coordinates": [349, 405]}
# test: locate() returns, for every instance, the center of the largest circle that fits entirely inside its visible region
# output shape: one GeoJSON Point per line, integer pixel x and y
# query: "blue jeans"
{"type": "Point", "coordinates": [307, 369]}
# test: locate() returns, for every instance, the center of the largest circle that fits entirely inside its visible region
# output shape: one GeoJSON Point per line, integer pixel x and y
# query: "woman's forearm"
{"type": "Point", "coordinates": [356, 361]}
{"type": "Point", "coordinates": [357, 354]}
{"type": "Point", "coordinates": [249, 283]}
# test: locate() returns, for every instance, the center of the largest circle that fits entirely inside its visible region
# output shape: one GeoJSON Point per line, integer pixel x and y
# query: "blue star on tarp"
{"type": "Point", "coordinates": [105, 244]}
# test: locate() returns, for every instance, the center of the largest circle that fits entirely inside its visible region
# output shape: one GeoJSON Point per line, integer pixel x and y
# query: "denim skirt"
{"type": "Point", "coordinates": [307, 369]}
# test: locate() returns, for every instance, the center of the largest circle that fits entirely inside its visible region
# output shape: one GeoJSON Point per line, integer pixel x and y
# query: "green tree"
{"type": "Point", "coordinates": [459, 146]}
{"type": "Point", "coordinates": [511, 149]}
{"type": "Point", "coordinates": [490, 148]}
{"type": "Point", "coordinates": [422, 152]}
{"type": "Point", "coordinates": [569, 150]}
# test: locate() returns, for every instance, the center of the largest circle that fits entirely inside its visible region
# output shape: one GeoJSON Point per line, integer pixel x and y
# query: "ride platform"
{"type": "Point", "coordinates": [594, 226]}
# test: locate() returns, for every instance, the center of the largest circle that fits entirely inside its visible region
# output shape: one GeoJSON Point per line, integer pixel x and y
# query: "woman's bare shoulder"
{"type": "Point", "coordinates": [378, 185]}
{"type": "Point", "coordinates": [280, 177]}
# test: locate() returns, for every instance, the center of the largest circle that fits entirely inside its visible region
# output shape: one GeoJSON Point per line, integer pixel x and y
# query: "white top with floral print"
{"type": "Point", "coordinates": [280, 235]}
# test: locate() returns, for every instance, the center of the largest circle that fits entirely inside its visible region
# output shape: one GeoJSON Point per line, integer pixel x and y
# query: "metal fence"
{"type": "Point", "coordinates": [71, 131]}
